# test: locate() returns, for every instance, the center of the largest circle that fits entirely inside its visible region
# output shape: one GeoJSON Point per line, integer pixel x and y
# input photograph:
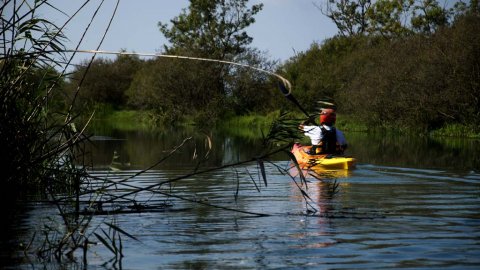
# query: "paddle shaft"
{"type": "Point", "coordinates": [289, 96]}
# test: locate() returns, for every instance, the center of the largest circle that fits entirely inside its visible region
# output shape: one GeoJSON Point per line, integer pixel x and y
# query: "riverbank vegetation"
{"type": "Point", "coordinates": [381, 73]}
{"type": "Point", "coordinates": [34, 143]}
{"type": "Point", "coordinates": [401, 65]}
{"type": "Point", "coordinates": [38, 137]}
{"type": "Point", "coordinates": [43, 119]}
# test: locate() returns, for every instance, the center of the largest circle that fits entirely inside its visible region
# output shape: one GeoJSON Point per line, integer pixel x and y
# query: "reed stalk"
{"type": "Point", "coordinates": [47, 156]}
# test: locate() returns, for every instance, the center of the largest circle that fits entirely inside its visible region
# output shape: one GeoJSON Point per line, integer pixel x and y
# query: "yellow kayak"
{"type": "Point", "coordinates": [326, 161]}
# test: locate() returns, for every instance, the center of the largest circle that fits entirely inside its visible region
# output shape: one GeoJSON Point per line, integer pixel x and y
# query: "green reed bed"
{"type": "Point", "coordinates": [457, 130]}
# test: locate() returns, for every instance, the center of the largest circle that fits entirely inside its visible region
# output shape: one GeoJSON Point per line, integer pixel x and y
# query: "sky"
{"type": "Point", "coordinates": [282, 28]}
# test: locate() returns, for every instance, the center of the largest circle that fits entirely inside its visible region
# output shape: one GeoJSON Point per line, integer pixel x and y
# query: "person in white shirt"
{"type": "Point", "coordinates": [325, 138]}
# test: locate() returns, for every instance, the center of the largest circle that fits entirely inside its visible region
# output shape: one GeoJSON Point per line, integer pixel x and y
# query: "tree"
{"type": "Point", "coordinates": [462, 8]}
{"type": "Point", "coordinates": [214, 29]}
{"type": "Point", "coordinates": [350, 16]}
{"type": "Point", "coordinates": [106, 81]}
{"type": "Point", "coordinates": [320, 72]}
{"type": "Point", "coordinates": [250, 90]}
{"type": "Point", "coordinates": [388, 18]}
{"type": "Point", "coordinates": [172, 89]}
{"type": "Point", "coordinates": [420, 81]}
{"type": "Point", "coordinates": [428, 15]}
{"type": "Point", "coordinates": [211, 28]}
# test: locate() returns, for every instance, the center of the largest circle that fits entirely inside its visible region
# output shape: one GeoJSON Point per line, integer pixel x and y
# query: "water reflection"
{"type": "Point", "coordinates": [425, 190]}
{"type": "Point", "coordinates": [415, 151]}
{"type": "Point", "coordinates": [140, 149]}
{"type": "Point", "coordinates": [318, 172]}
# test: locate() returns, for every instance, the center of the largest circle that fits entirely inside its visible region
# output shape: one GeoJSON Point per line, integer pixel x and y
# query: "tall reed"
{"type": "Point", "coordinates": [42, 147]}
{"type": "Point", "coordinates": [36, 148]}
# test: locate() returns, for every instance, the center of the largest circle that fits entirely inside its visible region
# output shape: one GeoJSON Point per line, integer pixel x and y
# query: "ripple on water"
{"type": "Point", "coordinates": [381, 217]}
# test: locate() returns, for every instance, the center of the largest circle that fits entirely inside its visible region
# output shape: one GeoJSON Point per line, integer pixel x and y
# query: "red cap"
{"type": "Point", "coordinates": [328, 116]}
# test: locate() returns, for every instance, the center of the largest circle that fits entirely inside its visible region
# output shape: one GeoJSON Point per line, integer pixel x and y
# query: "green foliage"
{"type": "Point", "coordinates": [216, 30]}
{"type": "Point", "coordinates": [395, 64]}
{"type": "Point", "coordinates": [457, 130]}
{"type": "Point", "coordinates": [250, 121]}
{"type": "Point", "coordinates": [421, 82]}
{"type": "Point", "coordinates": [206, 90]}
{"type": "Point", "coordinates": [211, 28]}
{"type": "Point", "coordinates": [350, 123]}
{"type": "Point", "coordinates": [428, 16]}
{"type": "Point", "coordinates": [350, 16]}
{"type": "Point", "coordinates": [29, 101]}
{"type": "Point", "coordinates": [249, 90]}
{"type": "Point", "coordinates": [174, 88]}
{"type": "Point", "coordinates": [389, 18]}
{"type": "Point", "coordinates": [318, 73]}
{"type": "Point", "coordinates": [106, 81]}
{"type": "Point", "coordinates": [127, 120]}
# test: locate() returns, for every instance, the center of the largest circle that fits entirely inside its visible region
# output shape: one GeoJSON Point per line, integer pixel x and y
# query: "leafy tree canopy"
{"type": "Point", "coordinates": [391, 18]}
{"type": "Point", "coordinates": [214, 28]}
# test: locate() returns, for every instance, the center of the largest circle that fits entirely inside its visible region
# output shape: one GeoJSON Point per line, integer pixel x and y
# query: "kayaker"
{"type": "Point", "coordinates": [325, 138]}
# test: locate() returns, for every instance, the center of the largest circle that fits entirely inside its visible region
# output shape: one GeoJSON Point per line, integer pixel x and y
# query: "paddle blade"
{"type": "Point", "coordinates": [290, 97]}
{"type": "Point", "coordinates": [283, 89]}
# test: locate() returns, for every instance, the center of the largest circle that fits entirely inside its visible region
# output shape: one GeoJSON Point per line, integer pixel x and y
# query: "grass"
{"type": "Point", "coordinates": [457, 130]}
{"type": "Point", "coordinates": [349, 123]}
{"type": "Point", "coordinates": [253, 125]}
{"type": "Point", "coordinates": [127, 120]}
{"type": "Point", "coordinates": [249, 126]}
{"type": "Point", "coordinates": [256, 121]}
{"type": "Point", "coordinates": [344, 122]}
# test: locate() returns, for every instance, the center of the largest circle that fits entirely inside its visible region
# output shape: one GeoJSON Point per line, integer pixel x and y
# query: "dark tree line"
{"type": "Point", "coordinates": [422, 81]}
{"type": "Point", "coordinates": [105, 82]}
{"type": "Point", "coordinates": [173, 88]}
{"type": "Point", "coordinates": [422, 76]}
{"type": "Point", "coordinates": [393, 63]}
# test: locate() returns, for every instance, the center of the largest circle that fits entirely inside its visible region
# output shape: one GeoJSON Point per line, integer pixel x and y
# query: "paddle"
{"type": "Point", "coordinates": [289, 96]}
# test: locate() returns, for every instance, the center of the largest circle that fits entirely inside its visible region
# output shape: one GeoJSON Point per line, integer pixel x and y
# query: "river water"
{"type": "Point", "coordinates": [411, 203]}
